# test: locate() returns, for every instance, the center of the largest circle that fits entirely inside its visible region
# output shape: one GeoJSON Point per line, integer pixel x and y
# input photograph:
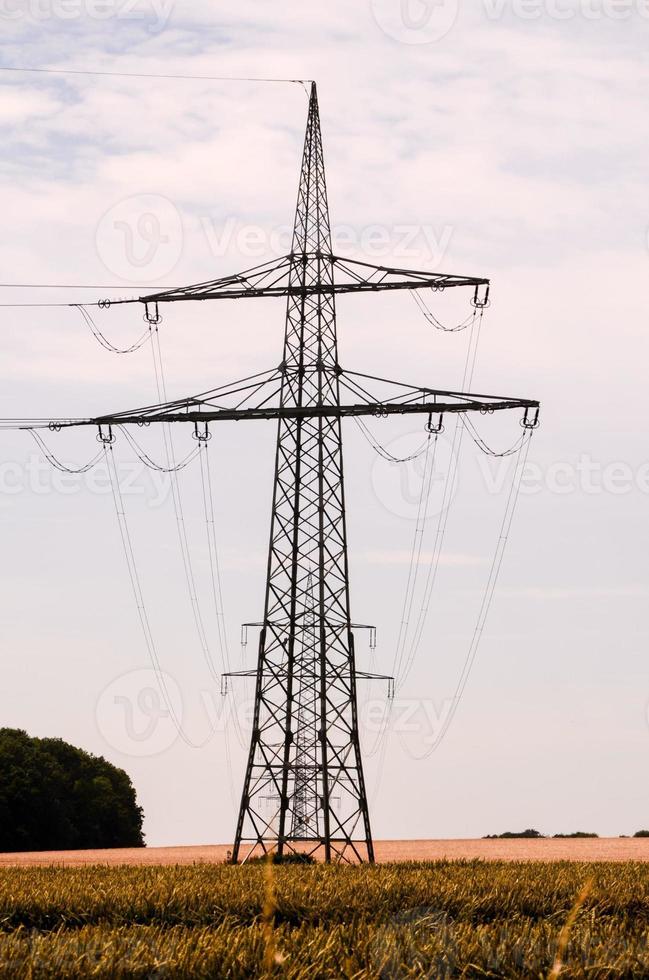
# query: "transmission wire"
{"type": "Point", "coordinates": [103, 340]}
{"type": "Point", "coordinates": [382, 451]}
{"type": "Point", "coordinates": [432, 319]}
{"type": "Point", "coordinates": [146, 459]}
{"type": "Point", "coordinates": [138, 74]}
{"type": "Point", "coordinates": [490, 588]}
{"type": "Point", "coordinates": [136, 587]}
{"type": "Point", "coordinates": [56, 463]}
{"type": "Point", "coordinates": [456, 445]}
{"type": "Point", "coordinates": [482, 445]}
{"type": "Point", "coordinates": [415, 555]}
{"type": "Point", "coordinates": [215, 569]}
{"type": "Point", "coordinates": [178, 508]}
{"type": "Point", "coordinates": [423, 502]}
{"type": "Point", "coordinates": [180, 521]}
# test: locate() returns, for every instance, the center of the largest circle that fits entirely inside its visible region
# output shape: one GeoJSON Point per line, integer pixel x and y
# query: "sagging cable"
{"type": "Point", "coordinates": [103, 340]}
{"type": "Point", "coordinates": [57, 464]}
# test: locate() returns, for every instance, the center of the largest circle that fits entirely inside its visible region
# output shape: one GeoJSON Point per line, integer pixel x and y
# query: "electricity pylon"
{"type": "Point", "coordinates": [304, 785]}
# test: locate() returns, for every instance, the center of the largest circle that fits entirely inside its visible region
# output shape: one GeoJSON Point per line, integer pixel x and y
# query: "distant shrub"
{"type": "Point", "coordinates": [641, 833]}
{"type": "Point", "coordinates": [282, 859]}
{"type": "Point", "coordinates": [512, 835]}
{"type": "Point", "coordinates": [578, 833]}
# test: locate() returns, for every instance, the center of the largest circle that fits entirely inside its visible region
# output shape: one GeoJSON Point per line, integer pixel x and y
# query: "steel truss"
{"type": "Point", "coordinates": [304, 786]}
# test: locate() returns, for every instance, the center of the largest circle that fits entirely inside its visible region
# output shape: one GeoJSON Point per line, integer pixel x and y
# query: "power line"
{"type": "Point", "coordinates": [67, 306]}
{"type": "Point", "coordinates": [490, 588]}
{"type": "Point", "coordinates": [139, 74]}
{"type": "Point", "coordinates": [403, 666]}
{"type": "Point", "coordinates": [105, 342]}
{"type": "Point", "coordinates": [138, 595]}
{"type": "Point", "coordinates": [62, 285]}
{"type": "Point", "coordinates": [176, 495]}
{"type": "Point", "coordinates": [57, 463]}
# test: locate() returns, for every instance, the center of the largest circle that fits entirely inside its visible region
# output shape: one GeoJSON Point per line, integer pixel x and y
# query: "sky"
{"type": "Point", "coordinates": [501, 139]}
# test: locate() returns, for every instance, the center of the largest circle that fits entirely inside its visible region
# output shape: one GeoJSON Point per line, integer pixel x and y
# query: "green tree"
{"type": "Point", "coordinates": [54, 796]}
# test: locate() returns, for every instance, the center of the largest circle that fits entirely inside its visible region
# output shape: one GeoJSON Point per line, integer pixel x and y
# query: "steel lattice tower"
{"type": "Point", "coordinates": [304, 785]}
{"type": "Point", "coordinates": [308, 545]}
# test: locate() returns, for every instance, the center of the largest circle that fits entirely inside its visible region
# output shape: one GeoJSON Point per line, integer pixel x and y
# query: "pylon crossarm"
{"type": "Point", "coordinates": [259, 397]}
{"type": "Point", "coordinates": [429, 404]}
{"type": "Point", "coordinates": [261, 389]}
{"type": "Point", "coordinates": [362, 674]}
{"type": "Point", "coordinates": [274, 279]}
{"type": "Point", "coordinates": [354, 276]}
{"type": "Point", "coordinates": [268, 279]}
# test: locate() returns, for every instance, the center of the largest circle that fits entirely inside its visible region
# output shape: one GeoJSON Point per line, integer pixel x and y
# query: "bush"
{"type": "Point", "coordinates": [283, 859]}
{"type": "Point", "coordinates": [641, 833]}
{"type": "Point", "coordinates": [54, 796]}
{"type": "Point", "coordinates": [577, 834]}
{"type": "Point", "coordinates": [512, 835]}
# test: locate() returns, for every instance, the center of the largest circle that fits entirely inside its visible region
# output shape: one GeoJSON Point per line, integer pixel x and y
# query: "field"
{"type": "Point", "coordinates": [437, 919]}
{"type": "Point", "coordinates": [595, 849]}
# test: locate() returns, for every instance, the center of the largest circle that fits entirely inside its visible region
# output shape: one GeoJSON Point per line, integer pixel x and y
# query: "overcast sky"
{"type": "Point", "coordinates": [503, 139]}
